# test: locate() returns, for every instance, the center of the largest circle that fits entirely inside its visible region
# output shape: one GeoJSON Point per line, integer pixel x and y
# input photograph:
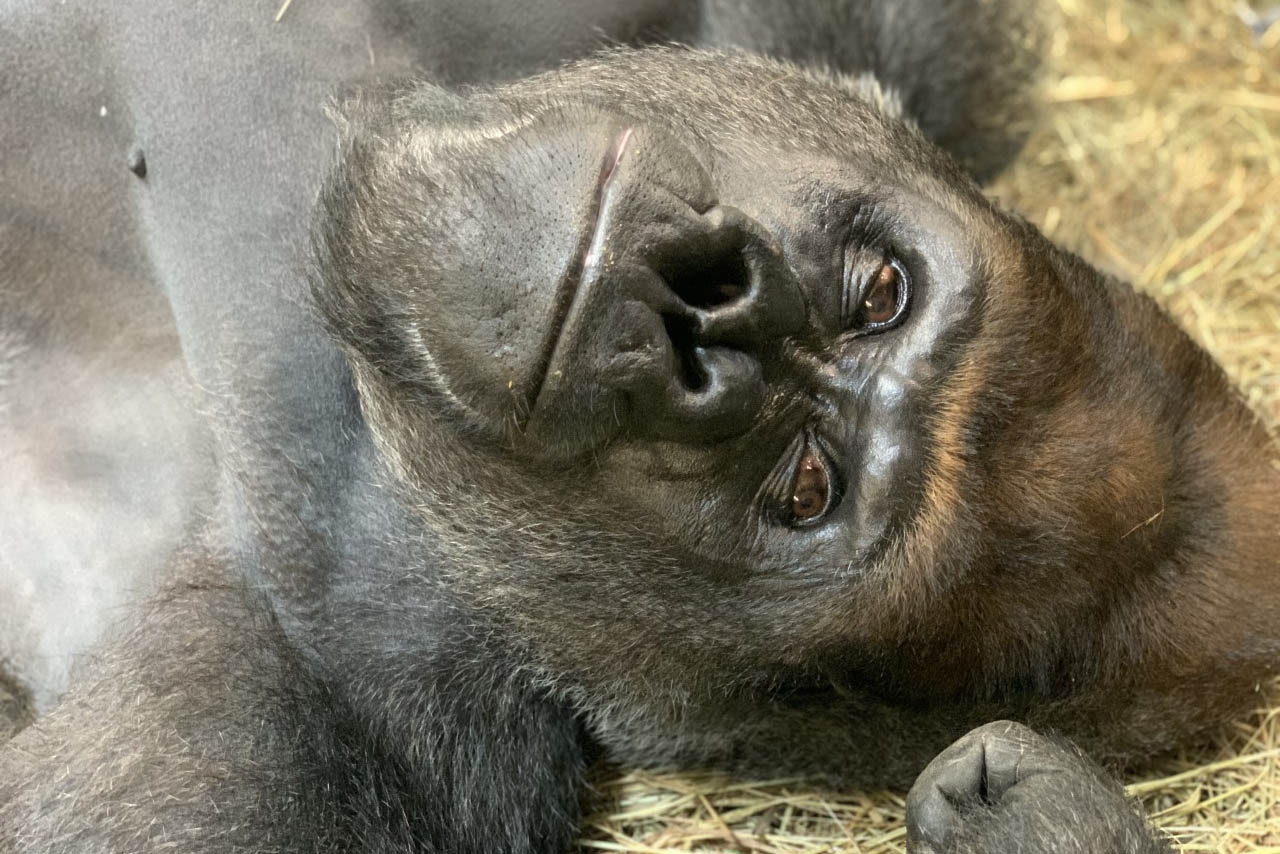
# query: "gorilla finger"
{"type": "Point", "coordinates": [952, 782]}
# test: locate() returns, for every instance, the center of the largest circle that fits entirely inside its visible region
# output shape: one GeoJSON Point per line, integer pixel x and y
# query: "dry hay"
{"type": "Point", "coordinates": [1158, 158]}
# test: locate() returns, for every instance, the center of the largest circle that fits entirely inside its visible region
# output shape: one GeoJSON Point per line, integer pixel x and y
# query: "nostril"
{"type": "Point", "coordinates": [683, 332]}
{"type": "Point", "coordinates": [704, 288]}
{"type": "Point", "coordinates": [711, 286]}
{"type": "Point", "coordinates": [731, 394]}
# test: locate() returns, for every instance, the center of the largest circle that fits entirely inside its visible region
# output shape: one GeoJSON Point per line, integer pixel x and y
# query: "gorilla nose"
{"type": "Point", "coordinates": [569, 276]}
{"type": "Point", "coordinates": [676, 311]}
{"type": "Point", "coordinates": [635, 302]}
{"type": "Point", "coordinates": [723, 296]}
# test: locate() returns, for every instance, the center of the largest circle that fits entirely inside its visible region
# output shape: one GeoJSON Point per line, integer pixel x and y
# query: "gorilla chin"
{"type": "Point", "coordinates": [855, 432]}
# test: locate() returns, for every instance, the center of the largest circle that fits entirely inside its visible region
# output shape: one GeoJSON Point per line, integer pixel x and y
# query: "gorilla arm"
{"type": "Point", "coordinates": [203, 729]}
{"type": "Point", "coordinates": [205, 701]}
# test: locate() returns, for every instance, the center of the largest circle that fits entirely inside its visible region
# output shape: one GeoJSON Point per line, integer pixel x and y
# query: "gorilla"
{"type": "Point", "coordinates": [689, 406]}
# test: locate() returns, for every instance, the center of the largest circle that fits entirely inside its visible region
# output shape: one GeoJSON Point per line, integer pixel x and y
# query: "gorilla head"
{"type": "Point", "coordinates": [716, 380]}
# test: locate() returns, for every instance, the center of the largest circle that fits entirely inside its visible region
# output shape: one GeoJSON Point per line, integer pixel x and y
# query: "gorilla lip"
{"type": "Point", "coordinates": [567, 290]}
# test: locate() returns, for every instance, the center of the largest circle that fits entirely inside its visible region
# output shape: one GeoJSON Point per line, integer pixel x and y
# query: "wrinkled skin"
{"type": "Point", "coordinates": [607, 347]}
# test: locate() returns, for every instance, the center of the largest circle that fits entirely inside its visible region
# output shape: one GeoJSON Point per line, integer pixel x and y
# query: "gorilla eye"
{"type": "Point", "coordinates": [880, 305]}
{"type": "Point", "coordinates": [810, 491]}
{"type": "Point", "coordinates": [804, 486]}
{"type": "Point", "coordinates": [882, 296]}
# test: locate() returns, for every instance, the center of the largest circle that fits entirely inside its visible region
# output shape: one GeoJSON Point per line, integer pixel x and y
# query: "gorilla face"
{"type": "Point", "coordinates": [764, 380]}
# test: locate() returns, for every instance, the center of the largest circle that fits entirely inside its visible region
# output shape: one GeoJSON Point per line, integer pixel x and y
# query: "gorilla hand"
{"type": "Point", "coordinates": [1003, 785]}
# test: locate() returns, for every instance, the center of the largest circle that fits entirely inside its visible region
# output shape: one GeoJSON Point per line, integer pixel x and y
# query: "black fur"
{"type": "Point", "coordinates": [448, 557]}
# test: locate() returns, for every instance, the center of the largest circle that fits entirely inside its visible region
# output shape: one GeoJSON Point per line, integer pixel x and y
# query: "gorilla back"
{"type": "Point", "coordinates": [687, 405]}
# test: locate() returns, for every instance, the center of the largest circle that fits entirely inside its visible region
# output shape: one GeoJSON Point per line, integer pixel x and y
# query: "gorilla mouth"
{"type": "Point", "coordinates": [567, 290]}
